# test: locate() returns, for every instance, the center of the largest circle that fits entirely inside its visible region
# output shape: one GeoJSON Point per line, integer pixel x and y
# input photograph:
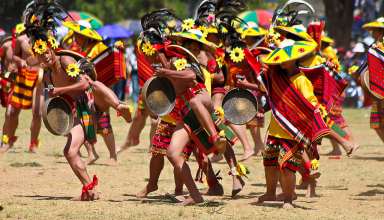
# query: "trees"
{"type": "Point", "coordinates": [339, 16]}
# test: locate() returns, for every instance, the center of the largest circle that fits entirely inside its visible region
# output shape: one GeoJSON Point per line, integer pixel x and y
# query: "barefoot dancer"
{"type": "Point", "coordinates": [8, 69]}
{"type": "Point", "coordinates": [289, 133]}
{"type": "Point", "coordinates": [88, 42]}
{"type": "Point", "coordinates": [26, 94]}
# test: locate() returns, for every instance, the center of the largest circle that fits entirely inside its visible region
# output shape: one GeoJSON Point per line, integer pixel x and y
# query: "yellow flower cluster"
{"type": "Point", "coordinates": [40, 46]}
{"type": "Point", "coordinates": [315, 164]}
{"type": "Point", "coordinates": [148, 49]}
{"type": "Point", "coordinates": [73, 70]}
{"type": "Point", "coordinates": [53, 42]}
{"type": "Point", "coordinates": [188, 24]}
{"type": "Point", "coordinates": [237, 55]}
{"type": "Point", "coordinates": [180, 64]}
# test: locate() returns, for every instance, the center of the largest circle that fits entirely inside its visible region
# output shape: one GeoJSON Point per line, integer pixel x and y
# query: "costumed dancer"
{"type": "Point", "coordinates": [8, 69]}
{"type": "Point", "coordinates": [71, 79]}
{"type": "Point", "coordinates": [375, 73]}
{"type": "Point", "coordinates": [289, 91]}
{"type": "Point", "coordinates": [88, 42]}
{"type": "Point", "coordinates": [26, 93]}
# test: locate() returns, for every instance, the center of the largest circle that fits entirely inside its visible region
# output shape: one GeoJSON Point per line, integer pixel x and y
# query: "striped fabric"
{"type": "Point", "coordinates": [144, 68]}
{"type": "Point", "coordinates": [103, 120]}
{"type": "Point", "coordinates": [22, 94]}
{"type": "Point", "coordinates": [298, 117]}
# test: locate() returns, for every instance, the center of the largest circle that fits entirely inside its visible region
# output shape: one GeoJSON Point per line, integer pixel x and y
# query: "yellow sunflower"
{"type": "Point", "coordinates": [73, 70]}
{"type": "Point", "coordinates": [188, 24]}
{"type": "Point", "coordinates": [53, 42]}
{"type": "Point", "coordinates": [148, 49]}
{"type": "Point", "coordinates": [315, 164]}
{"type": "Point", "coordinates": [40, 46]}
{"type": "Point", "coordinates": [220, 61]}
{"type": "Point", "coordinates": [204, 31]}
{"type": "Point", "coordinates": [219, 111]}
{"type": "Point", "coordinates": [237, 55]}
{"type": "Point", "coordinates": [180, 64]}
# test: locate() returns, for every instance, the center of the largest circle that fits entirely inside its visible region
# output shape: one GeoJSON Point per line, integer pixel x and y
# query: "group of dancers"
{"type": "Point", "coordinates": [291, 69]}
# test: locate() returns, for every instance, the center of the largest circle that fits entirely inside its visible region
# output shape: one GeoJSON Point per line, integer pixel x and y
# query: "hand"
{"type": "Point", "coordinates": [160, 71]}
{"type": "Point", "coordinates": [52, 92]}
{"type": "Point", "coordinates": [242, 83]}
{"type": "Point", "coordinates": [22, 64]}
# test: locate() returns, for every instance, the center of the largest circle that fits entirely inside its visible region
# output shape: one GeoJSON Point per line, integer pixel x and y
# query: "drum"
{"type": "Point", "coordinates": [159, 95]}
{"type": "Point", "coordinates": [57, 116]}
{"type": "Point", "coordinates": [110, 66]}
{"type": "Point", "coordinates": [365, 83]}
{"type": "Point", "coordinates": [240, 106]}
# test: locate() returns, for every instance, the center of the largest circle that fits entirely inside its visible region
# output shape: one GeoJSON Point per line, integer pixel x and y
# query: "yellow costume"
{"type": "Point", "coordinates": [304, 86]}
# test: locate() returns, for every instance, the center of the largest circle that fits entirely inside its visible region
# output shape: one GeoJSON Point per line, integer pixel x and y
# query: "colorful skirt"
{"type": "Point", "coordinates": [283, 153]}
{"type": "Point", "coordinates": [103, 120]}
{"type": "Point", "coordinates": [162, 139]}
{"type": "Point", "coordinates": [22, 94]}
{"type": "Point", "coordinates": [377, 114]}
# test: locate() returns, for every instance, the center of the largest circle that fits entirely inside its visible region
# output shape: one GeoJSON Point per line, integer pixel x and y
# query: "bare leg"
{"type": "Point", "coordinates": [36, 118]}
{"type": "Point", "coordinates": [241, 133]}
{"type": "Point", "coordinates": [215, 188]}
{"type": "Point", "coordinates": [92, 154]}
{"type": "Point", "coordinates": [10, 124]}
{"type": "Point", "coordinates": [257, 139]}
{"type": "Point", "coordinates": [237, 181]}
{"type": "Point", "coordinates": [179, 140]}
{"type": "Point", "coordinates": [202, 106]}
{"type": "Point", "coordinates": [288, 180]}
{"type": "Point", "coordinates": [156, 165]}
{"type": "Point", "coordinates": [348, 146]}
{"type": "Point", "coordinates": [71, 153]}
{"type": "Point", "coordinates": [154, 123]}
{"type": "Point", "coordinates": [109, 140]}
{"type": "Point", "coordinates": [137, 126]}
{"type": "Point", "coordinates": [380, 133]}
{"type": "Point", "coordinates": [271, 177]}
{"type": "Point", "coordinates": [178, 183]}
{"type": "Point", "coordinates": [105, 98]}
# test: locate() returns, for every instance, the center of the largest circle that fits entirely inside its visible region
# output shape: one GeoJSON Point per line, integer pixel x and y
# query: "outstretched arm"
{"type": "Point", "coordinates": [187, 74]}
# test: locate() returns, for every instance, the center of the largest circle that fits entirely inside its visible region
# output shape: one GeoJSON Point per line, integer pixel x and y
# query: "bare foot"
{"type": "Point", "coordinates": [91, 196]}
{"type": "Point", "coordinates": [311, 190]}
{"type": "Point", "coordinates": [281, 197]}
{"type": "Point", "coordinates": [237, 185]}
{"type": "Point", "coordinates": [216, 190]}
{"type": "Point", "coordinates": [189, 201]}
{"type": "Point", "coordinates": [32, 149]}
{"type": "Point", "coordinates": [148, 189]}
{"type": "Point", "coordinates": [4, 148]}
{"type": "Point", "coordinates": [112, 162]}
{"type": "Point", "coordinates": [247, 154]}
{"type": "Point", "coordinates": [288, 205]}
{"type": "Point", "coordinates": [258, 149]}
{"type": "Point", "coordinates": [334, 152]}
{"type": "Point", "coordinates": [124, 111]}
{"type": "Point", "coordinates": [92, 159]}
{"type": "Point", "coordinates": [216, 158]}
{"type": "Point", "coordinates": [264, 198]}
{"type": "Point", "coordinates": [353, 149]}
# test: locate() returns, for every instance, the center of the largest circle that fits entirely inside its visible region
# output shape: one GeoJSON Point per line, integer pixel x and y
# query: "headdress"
{"type": "Point", "coordinates": [41, 17]}
{"type": "Point", "coordinates": [377, 24]}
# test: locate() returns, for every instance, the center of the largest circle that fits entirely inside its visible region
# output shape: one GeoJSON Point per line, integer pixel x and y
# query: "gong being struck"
{"type": "Point", "coordinates": [240, 106]}
{"type": "Point", "coordinates": [159, 95]}
{"type": "Point", "coordinates": [58, 116]}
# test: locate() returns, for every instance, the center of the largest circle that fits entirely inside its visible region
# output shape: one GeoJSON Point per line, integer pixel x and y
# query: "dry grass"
{"type": "Point", "coordinates": [39, 186]}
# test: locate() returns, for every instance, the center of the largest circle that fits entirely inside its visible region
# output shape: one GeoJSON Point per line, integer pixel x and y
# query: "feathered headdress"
{"type": "Point", "coordinates": [41, 17]}
{"type": "Point", "coordinates": [205, 13]}
{"type": "Point", "coordinates": [292, 12]}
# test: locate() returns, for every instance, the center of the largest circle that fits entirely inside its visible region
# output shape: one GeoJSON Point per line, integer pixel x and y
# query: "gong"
{"type": "Point", "coordinates": [240, 106]}
{"type": "Point", "coordinates": [159, 95]}
{"type": "Point", "coordinates": [57, 116]}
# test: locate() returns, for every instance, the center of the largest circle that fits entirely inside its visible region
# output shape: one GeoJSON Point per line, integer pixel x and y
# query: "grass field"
{"type": "Point", "coordinates": [39, 186]}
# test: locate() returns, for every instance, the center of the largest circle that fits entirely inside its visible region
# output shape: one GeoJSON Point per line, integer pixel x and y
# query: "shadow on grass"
{"type": "Point", "coordinates": [158, 199]}
{"type": "Point", "coordinates": [48, 198]}
{"type": "Point", "coordinates": [279, 205]}
{"type": "Point", "coordinates": [378, 158]}
{"type": "Point", "coordinates": [372, 192]}
{"type": "Point", "coordinates": [29, 164]}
